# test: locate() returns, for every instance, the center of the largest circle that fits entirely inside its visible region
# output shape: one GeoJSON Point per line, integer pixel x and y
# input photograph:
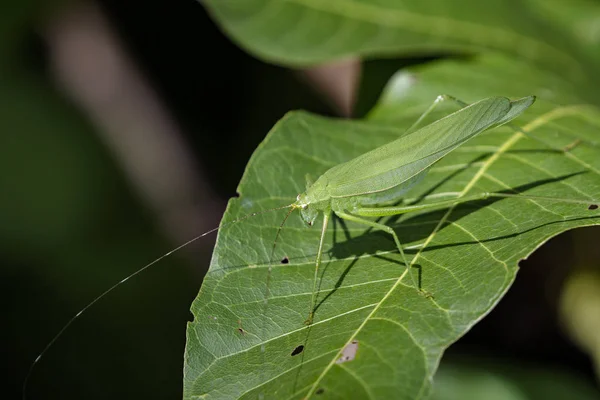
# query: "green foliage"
{"type": "Point", "coordinates": [467, 256]}
{"type": "Point", "coordinates": [308, 31]}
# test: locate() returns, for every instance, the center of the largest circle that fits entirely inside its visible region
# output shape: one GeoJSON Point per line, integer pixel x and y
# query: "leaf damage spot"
{"type": "Point", "coordinates": [240, 330]}
{"type": "Point", "coordinates": [349, 352]}
{"type": "Point", "coordinates": [320, 391]}
{"type": "Point", "coordinates": [285, 260]}
{"type": "Point", "coordinates": [298, 350]}
{"type": "Point", "coordinates": [593, 207]}
{"type": "Point", "coordinates": [246, 203]}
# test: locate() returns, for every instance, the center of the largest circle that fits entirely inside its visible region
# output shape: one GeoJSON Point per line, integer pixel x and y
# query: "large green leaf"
{"type": "Point", "coordinates": [467, 256]}
{"type": "Point", "coordinates": [301, 32]}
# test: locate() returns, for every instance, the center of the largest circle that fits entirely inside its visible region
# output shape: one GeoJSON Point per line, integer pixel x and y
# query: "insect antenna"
{"type": "Point", "coordinates": [139, 271]}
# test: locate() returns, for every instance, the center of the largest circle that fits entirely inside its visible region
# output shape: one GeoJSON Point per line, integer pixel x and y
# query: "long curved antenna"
{"type": "Point", "coordinates": [139, 271]}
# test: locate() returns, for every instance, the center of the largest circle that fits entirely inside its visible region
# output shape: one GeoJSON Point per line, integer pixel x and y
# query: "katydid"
{"type": "Point", "coordinates": [355, 190]}
{"type": "Point", "coordinates": [352, 190]}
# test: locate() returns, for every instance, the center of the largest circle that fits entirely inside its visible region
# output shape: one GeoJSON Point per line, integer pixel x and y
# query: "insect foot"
{"type": "Point", "coordinates": [571, 146]}
{"type": "Point", "coordinates": [309, 320]}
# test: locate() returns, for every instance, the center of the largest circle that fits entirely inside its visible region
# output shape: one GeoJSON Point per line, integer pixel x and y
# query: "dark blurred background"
{"type": "Point", "coordinates": [125, 127]}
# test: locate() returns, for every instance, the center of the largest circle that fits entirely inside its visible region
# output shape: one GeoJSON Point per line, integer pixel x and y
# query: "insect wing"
{"type": "Point", "coordinates": [517, 107]}
{"type": "Point", "coordinates": [397, 162]}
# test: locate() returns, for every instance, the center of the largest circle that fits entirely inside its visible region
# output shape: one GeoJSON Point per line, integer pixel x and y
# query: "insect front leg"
{"type": "Point", "coordinates": [326, 216]}
{"type": "Point", "coordinates": [387, 229]}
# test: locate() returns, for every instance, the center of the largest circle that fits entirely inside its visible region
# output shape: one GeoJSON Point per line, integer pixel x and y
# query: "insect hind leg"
{"type": "Point", "coordinates": [517, 128]}
{"type": "Point", "coordinates": [438, 100]}
{"type": "Point", "coordinates": [429, 110]}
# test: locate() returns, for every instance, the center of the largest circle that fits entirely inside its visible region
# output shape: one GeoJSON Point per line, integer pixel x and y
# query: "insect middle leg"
{"type": "Point", "coordinates": [387, 229]}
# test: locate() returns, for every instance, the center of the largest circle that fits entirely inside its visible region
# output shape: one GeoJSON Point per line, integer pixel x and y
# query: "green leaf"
{"type": "Point", "coordinates": [299, 32]}
{"type": "Point", "coordinates": [466, 256]}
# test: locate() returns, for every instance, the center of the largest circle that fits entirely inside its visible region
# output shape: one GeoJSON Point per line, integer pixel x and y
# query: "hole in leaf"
{"type": "Point", "coordinates": [298, 350]}
{"type": "Point", "coordinates": [349, 352]}
{"type": "Point", "coordinates": [240, 330]}
{"type": "Point", "coordinates": [593, 207]}
{"type": "Point", "coordinates": [285, 260]}
{"type": "Point", "coordinates": [320, 391]}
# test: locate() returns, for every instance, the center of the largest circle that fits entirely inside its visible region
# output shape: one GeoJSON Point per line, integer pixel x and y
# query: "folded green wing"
{"type": "Point", "coordinates": [396, 162]}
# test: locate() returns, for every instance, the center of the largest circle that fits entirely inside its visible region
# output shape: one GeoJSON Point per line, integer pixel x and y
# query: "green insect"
{"type": "Point", "coordinates": [354, 189]}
